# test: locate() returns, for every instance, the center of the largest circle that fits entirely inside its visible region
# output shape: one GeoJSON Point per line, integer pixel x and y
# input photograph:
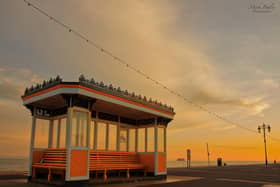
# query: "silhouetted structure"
{"type": "Point", "coordinates": [264, 127]}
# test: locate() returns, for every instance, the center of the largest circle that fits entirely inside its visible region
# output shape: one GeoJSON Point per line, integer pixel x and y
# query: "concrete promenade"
{"type": "Point", "coordinates": [229, 176]}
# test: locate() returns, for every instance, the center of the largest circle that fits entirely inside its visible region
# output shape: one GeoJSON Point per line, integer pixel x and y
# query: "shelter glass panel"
{"type": "Point", "coordinates": [160, 139]}
{"type": "Point", "coordinates": [79, 129]}
{"type": "Point", "coordinates": [101, 136]}
{"type": "Point", "coordinates": [151, 139]}
{"type": "Point", "coordinates": [131, 147]}
{"type": "Point", "coordinates": [41, 133]}
{"type": "Point", "coordinates": [141, 140]}
{"type": "Point", "coordinates": [91, 134]}
{"type": "Point", "coordinates": [62, 133]}
{"type": "Point", "coordinates": [59, 131]}
{"type": "Point", "coordinates": [55, 132]}
{"type": "Point", "coordinates": [112, 137]}
{"type": "Point", "coordinates": [123, 139]}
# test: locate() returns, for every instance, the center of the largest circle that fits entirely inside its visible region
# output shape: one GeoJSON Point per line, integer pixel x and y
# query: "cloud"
{"type": "Point", "coordinates": [224, 128]}
{"type": "Point", "coordinates": [150, 37]}
{"type": "Point", "coordinates": [255, 104]}
{"type": "Point", "coordinates": [9, 91]}
{"type": "Point", "coordinates": [152, 45]}
{"type": "Point", "coordinates": [193, 125]}
{"type": "Point", "coordinates": [270, 83]}
{"type": "Point", "coordinates": [13, 81]}
{"type": "Point", "coordinates": [235, 147]}
{"type": "Point", "coordinates": [14, 145]}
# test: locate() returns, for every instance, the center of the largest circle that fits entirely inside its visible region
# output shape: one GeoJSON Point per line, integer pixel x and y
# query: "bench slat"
{"type": "Point", "coordinates": [109, 160]}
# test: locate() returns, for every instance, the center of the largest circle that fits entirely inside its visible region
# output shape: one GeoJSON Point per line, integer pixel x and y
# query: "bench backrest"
{"type": "Point", "coordinates": [54, 156]}
{"type": "Point", "coordinates": [113, 157]}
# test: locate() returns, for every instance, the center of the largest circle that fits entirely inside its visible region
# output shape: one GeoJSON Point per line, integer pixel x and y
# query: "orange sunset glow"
{"type": "Point", "coordinates": [227, 64]}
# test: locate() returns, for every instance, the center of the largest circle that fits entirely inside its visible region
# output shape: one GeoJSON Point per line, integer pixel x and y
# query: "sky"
{"type": "Point", "coordinates": [220, 54]}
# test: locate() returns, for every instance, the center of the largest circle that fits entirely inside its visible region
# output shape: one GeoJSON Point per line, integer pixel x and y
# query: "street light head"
{"type": "Point", "coordinates": [268, 128]}
{"type": "Point", "coordinates": [259, 129]}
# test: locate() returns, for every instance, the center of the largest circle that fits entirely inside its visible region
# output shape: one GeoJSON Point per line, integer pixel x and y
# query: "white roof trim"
{"type": "Point", "coordinates": [94, 95]}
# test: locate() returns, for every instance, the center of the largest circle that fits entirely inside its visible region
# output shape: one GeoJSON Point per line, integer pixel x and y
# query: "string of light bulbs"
{"type": "Point", "coordinates": [136, 70]}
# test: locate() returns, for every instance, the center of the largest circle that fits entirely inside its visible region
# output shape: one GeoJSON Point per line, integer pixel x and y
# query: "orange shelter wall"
{"type": "Point", "coordinates": [37, 156]}
{"type": "Point", "coordinates": [161, 162]}
{"type": "Point", "coordinates": [79, 163]}
{"type": "Point", "coordinates": [147, 160]}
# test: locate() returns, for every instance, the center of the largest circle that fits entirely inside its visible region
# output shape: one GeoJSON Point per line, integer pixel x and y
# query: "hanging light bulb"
{"type": "Point", "coordinates": [268, 128]}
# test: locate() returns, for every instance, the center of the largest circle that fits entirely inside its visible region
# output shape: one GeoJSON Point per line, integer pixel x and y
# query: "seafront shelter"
{"type": "Point", "coordinates": [86, 130]}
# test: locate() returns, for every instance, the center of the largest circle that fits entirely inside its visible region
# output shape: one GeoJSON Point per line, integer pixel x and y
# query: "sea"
{"type": "Point", "coordinates": [21, 164]}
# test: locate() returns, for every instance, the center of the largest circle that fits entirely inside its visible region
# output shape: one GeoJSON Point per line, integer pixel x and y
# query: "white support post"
{"type": "Point", "coordinates": [136, 140]}
{"type": "Point", "coordinates": [68, 129]}
{"type": "Point", "coordinates": [95, 143]}
{"type": "Point", "coordinates": [50, 141]}
{"type": "Point", "coordinates": [88, 130]}
{"type": "Point", "coordinates": [118, 135]}
{"type": "Point", "coordinates": [165, 147]}
{"type": "Point", "coordinates": [127, 139]}
{"type": "Point", "coordinates": [165, 139]}
{"type": "Point", "coordinates": [77, 130]}
{"type": "Point", "coordinates": [58, 134]}
{"type": "Point", "coordinates": [107, 137]}
{"type": "Point", "coordinates": [32, 142]}
{"type": "Point", "coordinates": [88, 141]}
{"type": "Point", "coordinates": [146, 139]}
{"type": "Point", "coordinates": [156, 147]}
{"type": "Point", "coordinates": [68, 142]}
{"type": "Point", "coordinates": [95, 138]}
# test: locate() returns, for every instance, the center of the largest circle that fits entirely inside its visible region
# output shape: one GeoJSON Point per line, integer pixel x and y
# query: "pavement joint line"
{"type": "Point", "coordinates": [224, 172]}
{"type": "Point", "coordinates": [247, 181]}
{"type": "Point", "coordinates": [182, 178]}
{"type": "Point", "coordinates": [170, 179]}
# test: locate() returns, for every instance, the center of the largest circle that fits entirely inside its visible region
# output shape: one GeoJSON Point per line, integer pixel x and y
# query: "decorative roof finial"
{"type": "Point", "coordinates": [82, 78]}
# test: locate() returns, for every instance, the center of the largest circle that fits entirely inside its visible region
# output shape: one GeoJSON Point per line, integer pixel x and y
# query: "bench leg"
{"type": "Point", "coordinates": [33, 173]}
{"type": "Point", "coordinates": [49, 175]}
{"type": "Point", "coordinates": [127, 174]}
{"type": "Point", "coordinates": [105, 174]}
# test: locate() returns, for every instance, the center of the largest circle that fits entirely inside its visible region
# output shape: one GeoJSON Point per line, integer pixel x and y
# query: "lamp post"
{"type": "Point", "coordinates": [263, 128]}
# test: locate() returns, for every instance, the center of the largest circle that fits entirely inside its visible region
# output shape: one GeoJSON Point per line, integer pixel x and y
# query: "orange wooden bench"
{"type": "Point", "coordinates": [103, 161]}
{"type": "Point", "coordinates": [53, 160]}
